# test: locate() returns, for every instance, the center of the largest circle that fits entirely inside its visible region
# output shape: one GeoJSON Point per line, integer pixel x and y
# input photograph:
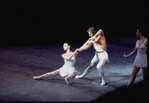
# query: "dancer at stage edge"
{"type": "Point", "coordinates": [141, 57]}
{"type": "Point", "coordinates": [98, 40]}
{"type": "Point", "coordinates": [67, 70]}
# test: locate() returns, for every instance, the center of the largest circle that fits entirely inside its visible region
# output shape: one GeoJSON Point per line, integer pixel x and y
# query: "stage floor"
{"type": "Point", "coordinates": [19, 64]}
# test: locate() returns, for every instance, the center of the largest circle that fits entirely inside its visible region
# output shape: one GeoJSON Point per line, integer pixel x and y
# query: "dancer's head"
{"type": "Point", "coordinates": [139, 33]}
{"type": "Point", "coordinates": [67, 46]}
{"type": "Point", "coordinates": [91, 31]}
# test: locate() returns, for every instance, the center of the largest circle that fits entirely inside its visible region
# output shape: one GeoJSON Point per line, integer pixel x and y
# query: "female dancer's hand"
{"type": "Point", "coordinates": [125, 55]}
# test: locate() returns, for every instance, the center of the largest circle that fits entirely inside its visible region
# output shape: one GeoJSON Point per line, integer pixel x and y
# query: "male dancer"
{"type": "Point", "coordinates": [98, 40]}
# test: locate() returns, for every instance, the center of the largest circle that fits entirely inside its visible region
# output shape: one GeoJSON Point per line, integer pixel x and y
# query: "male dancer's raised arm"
{"type": "Point", "coordinates": [85, 46]}
{"type": "Point", "coordinates": [88, 44]}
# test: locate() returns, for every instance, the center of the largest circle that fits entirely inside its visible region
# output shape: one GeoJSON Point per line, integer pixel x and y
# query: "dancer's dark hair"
{"type": "Point", "coordinates": [141, 30]}
{"type": "Point", "coordinates": [70, 44]}
{"type": "Point", "coordinates": [92, 30]}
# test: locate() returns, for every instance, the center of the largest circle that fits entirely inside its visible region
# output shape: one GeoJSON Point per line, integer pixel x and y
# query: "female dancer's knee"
{"type": "Point", "coordinates": [71, 75]}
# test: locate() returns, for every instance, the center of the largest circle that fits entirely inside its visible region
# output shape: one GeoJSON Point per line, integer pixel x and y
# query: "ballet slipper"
{"type": "Point", "coordinates": [81, 76]}
{"type": "Point", "coordinates": [67, 81]}
{"type": "Point", "coordinates": [103, 83]}
{"type": "Point", "coordinates": [78, 76]}
{"type": "Point", "coordinates": [37, 77]}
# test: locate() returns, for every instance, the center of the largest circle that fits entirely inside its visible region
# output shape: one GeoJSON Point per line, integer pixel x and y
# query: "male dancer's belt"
{"type": "Point", "coordinates": [100, 51]}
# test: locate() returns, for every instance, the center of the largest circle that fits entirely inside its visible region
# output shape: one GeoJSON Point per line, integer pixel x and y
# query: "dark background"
{"type": "Point", "coordinates": [45, 22]}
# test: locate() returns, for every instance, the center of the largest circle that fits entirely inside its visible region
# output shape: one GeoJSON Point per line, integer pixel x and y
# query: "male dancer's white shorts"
{"type": "Point", "coordinates": [102, 58]}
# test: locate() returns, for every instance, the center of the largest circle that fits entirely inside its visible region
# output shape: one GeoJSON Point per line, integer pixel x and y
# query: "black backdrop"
{"type": "Point", "coordinates": [45, 22]}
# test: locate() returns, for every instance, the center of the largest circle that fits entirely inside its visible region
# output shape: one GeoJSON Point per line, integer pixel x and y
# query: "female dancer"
{"type": "Point", "coordinates": [141, 58]}
{"type": "Point", "coordinates": [68, 69]}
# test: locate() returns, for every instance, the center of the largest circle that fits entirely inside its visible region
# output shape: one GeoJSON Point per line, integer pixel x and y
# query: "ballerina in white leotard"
{"type": "Point", "coordinates": [67, 70]}
{"type": "Point", "coordinates": [141, 58]}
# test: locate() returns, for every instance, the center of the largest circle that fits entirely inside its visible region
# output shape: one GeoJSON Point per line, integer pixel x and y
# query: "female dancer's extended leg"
{"type": "Point", "coordinates": [53, 73]}
{"type": "Point", "coordinates": [144, 72]}
{"type": "Point", "coordinates": [133, 75]}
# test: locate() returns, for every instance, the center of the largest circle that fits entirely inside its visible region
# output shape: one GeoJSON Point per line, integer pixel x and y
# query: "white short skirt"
{"type": "Point", "coordinates": [65, 70]}
{"type": "Point", "coordinates": [141, 60]}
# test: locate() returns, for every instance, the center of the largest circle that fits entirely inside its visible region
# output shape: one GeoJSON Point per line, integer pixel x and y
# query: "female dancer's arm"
{"type": "Point", "coordinates": [75, 53]}
{"type": "Point", "coordinates": [132, 53]}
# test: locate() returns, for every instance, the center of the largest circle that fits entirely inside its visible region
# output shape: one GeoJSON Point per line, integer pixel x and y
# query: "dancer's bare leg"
{"type": "Point", "coordinates": [133, 76]}
{"type": "Point", "coordinates": [53, 73]}
{"type": "Point", "coordinates": [70, 75]}
{"type": "Point", "coordinates": [89, 68]}
{"type": "Point", "coordinates": [144, 72]}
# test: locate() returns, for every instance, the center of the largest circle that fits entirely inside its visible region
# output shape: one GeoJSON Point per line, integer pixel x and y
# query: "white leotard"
{"type": "Point", "coordinates": [68, 67]}
{"type": "Point", "coordinates": [97, 48]}
{"type": "Point", "coordinates": [141, 58]}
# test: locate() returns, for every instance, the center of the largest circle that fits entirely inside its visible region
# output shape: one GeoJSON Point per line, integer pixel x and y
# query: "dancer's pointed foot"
{"type": "Point", "coordinates": [37, 77]}
{"type": "Point", "coordinates": [78, 76]}
{"type": "Point", "coordinates": [67, 81]}
{"type": "Point", "coordinates": [103, 83]}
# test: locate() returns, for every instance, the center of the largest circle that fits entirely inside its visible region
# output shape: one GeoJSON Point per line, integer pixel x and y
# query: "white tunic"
{"type": "Point", "coordinates": [68, 67]}
{"type": "Point", "coordinates": [141, 58]}
{"type": "Point", "coordinates": [96, 47]}
{"type": "Point", "coordinates": [103, 57]}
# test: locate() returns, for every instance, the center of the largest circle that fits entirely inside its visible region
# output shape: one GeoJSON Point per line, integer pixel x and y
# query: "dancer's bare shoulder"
{"type": "Point", "coordinates": [66, 55]}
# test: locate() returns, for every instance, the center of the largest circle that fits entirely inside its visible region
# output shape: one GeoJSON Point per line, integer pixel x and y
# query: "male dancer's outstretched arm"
{"type": "Point", "coordinates": [85, 46]}
{"type": "Point", "coordinates": [88, 44]}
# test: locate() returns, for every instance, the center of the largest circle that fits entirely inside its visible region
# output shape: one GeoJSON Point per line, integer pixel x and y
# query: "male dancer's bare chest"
{"type": "Point", "coordinates": [101, 43]}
